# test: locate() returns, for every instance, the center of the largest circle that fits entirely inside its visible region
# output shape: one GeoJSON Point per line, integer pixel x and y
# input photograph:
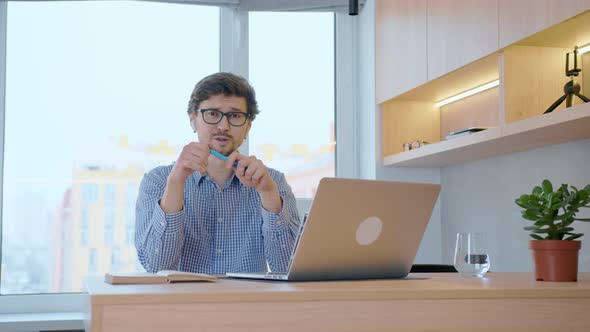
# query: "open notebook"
{"type": "Point", "coordinates": [162, 277]}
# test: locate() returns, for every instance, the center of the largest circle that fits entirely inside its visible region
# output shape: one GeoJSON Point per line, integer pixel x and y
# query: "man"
{"type": "Point", "coordinates": [203, 214]}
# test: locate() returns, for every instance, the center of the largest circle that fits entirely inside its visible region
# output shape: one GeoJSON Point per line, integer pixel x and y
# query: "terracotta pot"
{"type": "Point", "coordinates": [555, 260]}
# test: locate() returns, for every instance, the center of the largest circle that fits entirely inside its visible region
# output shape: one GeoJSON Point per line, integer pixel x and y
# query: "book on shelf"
{"type": "Point", "coordinates": [161, 277]}
{"type": "Point", "coordinates": [465, 131]}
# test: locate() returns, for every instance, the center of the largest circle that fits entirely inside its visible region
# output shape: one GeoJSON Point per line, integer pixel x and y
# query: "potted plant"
{"type": "Point", "coordinates": [555, 250]}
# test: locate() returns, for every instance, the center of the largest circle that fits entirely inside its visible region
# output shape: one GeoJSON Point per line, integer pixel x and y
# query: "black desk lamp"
{"type": "Point", "coordinates": [570, 88]}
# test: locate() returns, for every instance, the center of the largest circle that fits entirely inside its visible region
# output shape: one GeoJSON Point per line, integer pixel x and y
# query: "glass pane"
{"type": "Point", "coordinates": [292, 70]}
{"type": "Point", "coordinates": [107, 84]}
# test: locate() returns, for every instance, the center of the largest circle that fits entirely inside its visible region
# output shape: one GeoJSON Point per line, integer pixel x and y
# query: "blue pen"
{"type": "Point", "coordinates": [222, 157]}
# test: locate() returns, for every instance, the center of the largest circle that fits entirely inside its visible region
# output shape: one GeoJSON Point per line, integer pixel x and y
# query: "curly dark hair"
{"type": "Point", "coordinates": [227, 84]}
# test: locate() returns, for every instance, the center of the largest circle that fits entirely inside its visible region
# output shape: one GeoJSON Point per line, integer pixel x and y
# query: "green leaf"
{"type": "Point", "coordinates": [523, 204]}
{"type": "Point", "coordinates": [582, 219]}
{"type": "Point", "coordinates": [541, 223]}
{"type": "Point", "coordinates": [563, 189]}
{"type": "Point", "coordinates": [574, 236]}
{"type": "Point", "coordinates": [537, 191]}
{"type": "Point", "coordinates": [547, 186]}
{"type": "Point", "coordinates": [558, 205]}
{"type": "Point", "coordinates": [532, 207]}
{"type": "Point", "coordinates": [536, 237]}
{"type": "Point", "coordinates": [550, 198]}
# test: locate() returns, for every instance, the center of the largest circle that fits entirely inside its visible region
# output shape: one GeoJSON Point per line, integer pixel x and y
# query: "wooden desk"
{"type": "Point", "coordinates": [422, 302]}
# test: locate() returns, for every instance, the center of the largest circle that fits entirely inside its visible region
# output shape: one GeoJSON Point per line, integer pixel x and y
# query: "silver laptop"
{"type": "Point", "coordinates": [359, 229]}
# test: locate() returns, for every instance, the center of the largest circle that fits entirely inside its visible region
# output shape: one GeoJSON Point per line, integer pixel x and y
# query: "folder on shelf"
{"type": "Point", "coordinates": [465, 131]}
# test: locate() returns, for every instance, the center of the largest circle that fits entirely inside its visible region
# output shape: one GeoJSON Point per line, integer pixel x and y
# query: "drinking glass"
{"type": "Point", "coordinates": [471, 257]}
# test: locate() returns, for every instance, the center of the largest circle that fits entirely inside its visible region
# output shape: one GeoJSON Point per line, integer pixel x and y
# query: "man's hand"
{"type": "Point", "coordinates": [193, 157]}
{"type": "Point", "coordinates": [251, 172]}
{"type": "Point", "coordinates": [254, 174]}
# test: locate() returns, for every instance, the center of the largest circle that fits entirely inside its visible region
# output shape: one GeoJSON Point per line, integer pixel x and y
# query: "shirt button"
{"type": "Point", "coordinates": [218, 190]}
{"type": "Point", "coordinates": [278, 222]}
{"type": "Point", "coordinates": [219, 219]}
{"type": "Point", "coordinates": [156, 251]}
{"type": "Point", "coordinates": [218, 251]}
{"type": "Point", "coordinates": [162, 223]}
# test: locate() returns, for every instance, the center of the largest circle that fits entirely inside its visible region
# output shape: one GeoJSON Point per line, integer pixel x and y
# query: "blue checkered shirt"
{"type": "Point", "coordinates": [220, 229]}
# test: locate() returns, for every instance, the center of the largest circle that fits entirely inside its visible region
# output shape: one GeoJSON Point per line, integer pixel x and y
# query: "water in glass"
{"type": "Point", "coordinates": [471, 258]}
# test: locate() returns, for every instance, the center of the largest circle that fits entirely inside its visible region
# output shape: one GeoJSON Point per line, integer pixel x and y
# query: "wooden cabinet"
{"type": "Point", "coordinates": [400, 40]}
{"type": "Point", "coordinates": [522, 18]}
{"type": "Point", "coordinates": [528, 76]}
{"type": "Point", "coordinates": [459, 32]}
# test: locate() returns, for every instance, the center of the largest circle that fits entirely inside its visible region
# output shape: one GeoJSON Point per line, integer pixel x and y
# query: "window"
{"type": "Point", "coordinates": [106, 101]}
{"type": "Point", "coordinates": [109, 194]}
{"type": "Point", "coordinates": [84, 224]}
{"type": "Point", "coordinates": [89, 193]}
{"type": "Point", "coordinates": [115, 260]}
{"type": "Point", "coordinates": [92, 261]}
{"type": "Point", "coordinates": [294, 83]}
{"type": "Point", "coordinates": [90, 107]}
{"type": "Point", "coordinates": [130, 201]}
{"type": "Point", "coordinates": [109, 225]}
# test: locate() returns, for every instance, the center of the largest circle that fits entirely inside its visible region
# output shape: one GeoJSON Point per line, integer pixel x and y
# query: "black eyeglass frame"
{"type": "Point", "coordinates": [226, 114]}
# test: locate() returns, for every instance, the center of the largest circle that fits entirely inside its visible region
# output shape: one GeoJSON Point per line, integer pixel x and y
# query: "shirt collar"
{"type": "Point", "coordinates": [198, 178]}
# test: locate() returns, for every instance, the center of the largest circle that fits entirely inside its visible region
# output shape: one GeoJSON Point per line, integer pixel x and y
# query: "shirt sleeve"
{"type": "Point", "coordinates": [280, 229]}
{"type": "Point", "coordinates": [158, 236]}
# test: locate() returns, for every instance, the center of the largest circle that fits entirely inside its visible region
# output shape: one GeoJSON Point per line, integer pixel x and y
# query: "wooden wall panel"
{"type": "Point", "coordinates": [459, 32]}
{"type": "Point", "coordinates": [406, 121]}
{"type": "Point", "coordinates": [521, 18]}
{"type": "Point", "coordinates": [586, 78]}
{"type": "Point", "coordinates": [479, 110]}
{"type": "Point", "coordinates": [400, 42]}
{"type": "Point", "coordinates": [533, 79]}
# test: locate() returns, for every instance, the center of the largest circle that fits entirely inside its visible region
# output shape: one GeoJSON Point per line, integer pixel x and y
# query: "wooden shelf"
{"type": "Point", "coordinates": [548, 129]}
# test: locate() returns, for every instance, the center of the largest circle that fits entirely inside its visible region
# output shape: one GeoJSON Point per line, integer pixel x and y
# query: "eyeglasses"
{"type": "Point", "coordinates": [407, 146]}
{"type": "Point", "coordinates": [236, 119]}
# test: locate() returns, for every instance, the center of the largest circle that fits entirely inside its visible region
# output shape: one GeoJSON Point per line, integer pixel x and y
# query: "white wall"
{"type": "Point", "coordinates": [479, 196]}
{"type": "Point", "coordinates": [430, 247]}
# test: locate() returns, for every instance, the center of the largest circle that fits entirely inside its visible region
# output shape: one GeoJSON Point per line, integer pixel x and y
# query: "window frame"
{"type": "Point", "coordinates": [233, 57]}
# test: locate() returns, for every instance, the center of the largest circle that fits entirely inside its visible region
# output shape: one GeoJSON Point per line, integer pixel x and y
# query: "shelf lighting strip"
{"type": "Point", "coordinates": [468, 93]}
{"type": "Point", "coordinates": [487, 86]}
